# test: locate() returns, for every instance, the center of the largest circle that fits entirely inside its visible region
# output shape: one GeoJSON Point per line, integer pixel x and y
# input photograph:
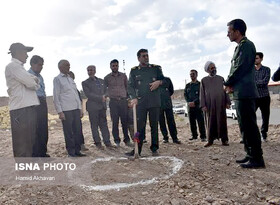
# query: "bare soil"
{"type": "Point", "coordinates": [207, 176]}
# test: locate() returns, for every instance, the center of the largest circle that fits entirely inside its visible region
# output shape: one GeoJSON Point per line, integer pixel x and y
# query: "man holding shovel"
{"type": "Point", "coordinates": [143, 84]}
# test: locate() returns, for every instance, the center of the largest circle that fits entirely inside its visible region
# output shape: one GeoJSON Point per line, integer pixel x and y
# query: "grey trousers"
{"type": "Point", "coordinates": [23, 124]}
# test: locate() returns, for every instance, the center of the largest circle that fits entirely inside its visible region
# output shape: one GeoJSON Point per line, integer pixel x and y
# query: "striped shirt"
{"type": "Point", "coordinates": [262, 77]}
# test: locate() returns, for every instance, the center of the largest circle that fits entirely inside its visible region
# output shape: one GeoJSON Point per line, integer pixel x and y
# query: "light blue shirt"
{"type": "Point", "coordinates": [41, 91]}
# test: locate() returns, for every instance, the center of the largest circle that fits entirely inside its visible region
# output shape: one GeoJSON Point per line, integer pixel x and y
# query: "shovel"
{"type": "Point", "coordinates": [136, 135]}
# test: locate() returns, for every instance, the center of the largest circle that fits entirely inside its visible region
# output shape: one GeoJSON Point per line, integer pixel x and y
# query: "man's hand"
{"type": "Point", "coordinates": [191, 104]}
{"type": "Point", "coordinates": [81, 114]}
{"type": "Point", "coordinates": [228, 89]}
{"type": "Point", "coordinates": [155, 85]}
{"type": "Point", "coordinates": [204, 109]}
{"type": "Point", "coordinates": [103, 98]}
{"type": "Point", "coordinates": [134, 102]}
{"type": "Point", "coordinates": [228, 106]}
{"type": "Point", "coordinates": [61, 116]}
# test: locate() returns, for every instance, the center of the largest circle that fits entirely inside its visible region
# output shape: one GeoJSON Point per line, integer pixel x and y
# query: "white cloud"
{"type": "Point", "coordinates": [180, 35]}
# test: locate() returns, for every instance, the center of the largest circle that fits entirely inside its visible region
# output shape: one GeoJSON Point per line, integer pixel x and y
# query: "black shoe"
{"type": "Point", "coordinates": [130, 154]}
{"type": "Point", "coordinates": [72, 155]}
{"type": "Point", "coordinates": [165, 140]}
{"type": "Point", "coordinates": [99, 146]}
{"type": "Point", "coordinates": [79, 154]}
{"type": "Point", "coordinates": [46, 155]}
{"type": "Point", "coordinates": [225, 143]}
{"type": "Point", "coordinates": [144, 141]}
{"type": "Point", "coordinates": [193, 138]}
{"type": "Point", "coordinates": [241, 142]}
{"type": "Point", "coordinates": [208, 144]}
{"type": "Point", "coordinates": [203, 140]}
{"type": "Point", "coordinates": [155, 153]}
{"type": "Point", "coordinates": [253, 165]}
{"type": "Point", "coordinates": [177, 141]}
{"type": "Point", "coordinates": [241, 161]}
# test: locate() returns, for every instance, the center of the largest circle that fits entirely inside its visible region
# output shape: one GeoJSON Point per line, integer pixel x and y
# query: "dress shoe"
{"type": "Point", "coordinates": [110, 145]}
{"type": "Point", "coordinates": [165, 141]}
{"type": "Point", "coordinates": [203, 140]}
{"type": "Point", "coordinates": [193, 138]}
{"type": "Point", "coordinates": [155, 153]}
{"type": "Point", "coordinates": [225, 143]}
{"type": "Point", "coordinates": [46, 155]}
{"type": "Point", "coordinates": [129, 144]}
{"type": "Point", "coordinates": [208, 144]}
{"type": "Point", "coordinates": [99, 146]}
{"type": "Point", "coordinates": [241, 142]}
{"type": "Point", "coordinates": [131, 153]}
{"type": "Point", "coordinates": [83, 147]}
{"type": "Point", "coordinates": [253, 164]}
{"type": "Point", "coordinates": [240, 161]}
{"type": "Point", "coordinates": [79, 154]}
{"type": "Point", "coordinates": [177, 141]}
{"type": "Point", "coordinates": [72, 155]}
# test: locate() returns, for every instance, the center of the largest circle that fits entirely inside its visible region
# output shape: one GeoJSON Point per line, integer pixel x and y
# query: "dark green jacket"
{"type": "Point", "coordinates": [191, 92]}
{"type": "Point", "coordinates": [167, 91]}
{"type": "Point", "coordinates": [242, 72]}
{"type": "Point", "coordinates": [139, 85]}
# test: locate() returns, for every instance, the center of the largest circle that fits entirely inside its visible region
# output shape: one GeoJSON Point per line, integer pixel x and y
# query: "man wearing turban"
{"type": "Point", "coordinates": [214, 101]}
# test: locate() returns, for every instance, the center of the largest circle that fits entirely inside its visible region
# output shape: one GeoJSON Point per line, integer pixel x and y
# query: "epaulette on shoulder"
{"type": "Point", "coordinates": [135, 67]}
{"type": "Point", "coordinates": [155, 66]}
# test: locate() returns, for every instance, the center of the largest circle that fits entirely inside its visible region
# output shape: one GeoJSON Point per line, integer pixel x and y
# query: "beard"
{"type": "Point", "coordinates": [213, 73]}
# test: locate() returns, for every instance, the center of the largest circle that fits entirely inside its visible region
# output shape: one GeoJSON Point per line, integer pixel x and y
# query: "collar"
{"type": "Point", "coordinates": [113, 74]}
{"type": "Point", "coordinates": [63, 75]}
{"type": "Point", "coordinates": [17, 61]}
{"type": "Point", "coordinates": [32, 72]}
{"type": "Point", "coordinates": [243, 39]}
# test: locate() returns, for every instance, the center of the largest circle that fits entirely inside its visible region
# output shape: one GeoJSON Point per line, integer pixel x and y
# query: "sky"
{"type": "Point", "coordinates": [180, 34]}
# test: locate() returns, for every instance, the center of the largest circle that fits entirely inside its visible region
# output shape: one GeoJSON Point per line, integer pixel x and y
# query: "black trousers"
{"type": "Point", "coordinates": [41, 140]}
{"type": "Point", "coordinates": [71, 128]}
{"type": "Point", "coordinates": [245, 109]}
{"type": "Point", "coordinates": [141, 125]}
{"type": "Point", "coordinates": [97, 119]}
{"type": "Point", "coordinates": [168, 114]}
{"type": "Point", "coordinates": [23, 125]}
{"type": "Point", "coordinates": [264, 105]}
{"type": "Point", "coordinates": [118, 111]}
{"type": "Point", "coordinates": [196, 115]}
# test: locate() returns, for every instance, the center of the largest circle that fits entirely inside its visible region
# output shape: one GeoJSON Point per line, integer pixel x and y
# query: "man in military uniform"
{"type": "Point", "coordinates": [191, 94]}
{"type": "Point", "coordinates": [241, 81]}
{"type": "Point", "coordinates": [166, 111]}
{"type": "Point", "coordinates": [143, 84]}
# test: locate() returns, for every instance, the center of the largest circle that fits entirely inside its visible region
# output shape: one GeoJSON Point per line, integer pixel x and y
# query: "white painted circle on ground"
{"type": "Point", "coordinates": [175, 167]}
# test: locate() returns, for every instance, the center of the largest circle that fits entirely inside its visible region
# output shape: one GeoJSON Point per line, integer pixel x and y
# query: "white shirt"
{"type": "Point", "coordinates": [65, 94]}
{"type": "Point", "coordinates": [21, 85]}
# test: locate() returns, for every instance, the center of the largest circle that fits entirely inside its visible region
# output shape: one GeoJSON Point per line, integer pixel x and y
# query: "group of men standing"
{"type": "Point", "coordinates": [150, 92]}
{"type": "Point", "coordinates": [29, 112]}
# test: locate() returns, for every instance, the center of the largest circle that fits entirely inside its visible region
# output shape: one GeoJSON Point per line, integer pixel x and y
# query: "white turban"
{"type": "Point", "coordinates": [207, 64]}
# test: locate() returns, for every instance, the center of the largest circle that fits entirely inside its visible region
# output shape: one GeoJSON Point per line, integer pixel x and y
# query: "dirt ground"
{"type": "Point", "coordinates": [207, 176]}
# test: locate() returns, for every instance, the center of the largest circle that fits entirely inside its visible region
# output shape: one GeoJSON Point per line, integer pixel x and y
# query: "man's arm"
{"type": "Point", "coordinates": [241, 64]}
{"type": "Point", "coordinates": [264, 81]}
{"type": "Point", "coordinates": [21, 75]}
{"type": "Point", "coordinates": [90, 94]}
{"type": "Point", "coordinates": [276, 75]}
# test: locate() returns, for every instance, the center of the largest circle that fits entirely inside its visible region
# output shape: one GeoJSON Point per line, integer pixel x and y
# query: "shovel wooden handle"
{"type": "Point", "coordinates": [136, 155]}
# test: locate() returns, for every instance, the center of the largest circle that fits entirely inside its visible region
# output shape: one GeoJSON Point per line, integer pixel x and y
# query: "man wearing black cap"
{"type": "Point", "coordinates": [23, 99]}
